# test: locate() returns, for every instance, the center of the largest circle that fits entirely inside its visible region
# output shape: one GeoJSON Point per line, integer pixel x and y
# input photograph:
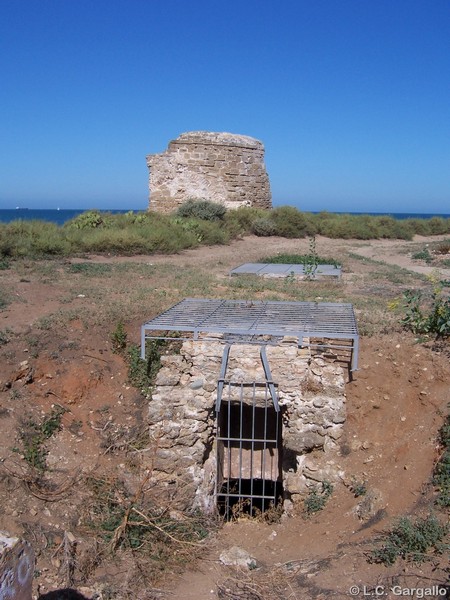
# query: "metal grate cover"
{"type": "Point", "coordinates": [284, 270]}
{"type": "Point", "coordinates": [256, 321]}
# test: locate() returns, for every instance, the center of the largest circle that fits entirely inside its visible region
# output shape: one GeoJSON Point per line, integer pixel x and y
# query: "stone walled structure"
{"type": "Point", "coordinates": [183, 421]}
{"type": "Point", "coordinates": [221, 167]}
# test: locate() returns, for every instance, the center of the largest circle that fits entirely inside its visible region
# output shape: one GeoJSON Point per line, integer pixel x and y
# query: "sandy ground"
{"type": "Point", "coordinates": [396, 404]}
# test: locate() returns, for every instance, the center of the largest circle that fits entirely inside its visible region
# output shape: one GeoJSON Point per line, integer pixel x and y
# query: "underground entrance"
{"type": "Point", "coordinates": [248, 415]}
{"type": "Point", "coordinates": [249, 452]}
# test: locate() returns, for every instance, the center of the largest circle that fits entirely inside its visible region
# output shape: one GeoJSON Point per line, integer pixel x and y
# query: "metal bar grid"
{"type": "Point", "coordinates": [284, 269]}
{"type": "Point", "coordinates": [260, 322]}
{"type": "Point", "coordinates": [248, 450]}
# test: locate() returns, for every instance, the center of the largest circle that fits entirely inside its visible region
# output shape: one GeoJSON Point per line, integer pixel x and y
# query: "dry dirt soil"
{"type": "Point", "coordinates": [56, 324]}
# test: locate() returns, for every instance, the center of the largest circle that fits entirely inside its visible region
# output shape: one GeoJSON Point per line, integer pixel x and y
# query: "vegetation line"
{"type": "Point", "coordinates": [196, 223]}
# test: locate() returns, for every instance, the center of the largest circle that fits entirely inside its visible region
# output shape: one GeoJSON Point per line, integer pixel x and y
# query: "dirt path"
{"type": "Point", "coordinates": [253, 248]}
{"type": "Point", "coordinates": [397, 253]}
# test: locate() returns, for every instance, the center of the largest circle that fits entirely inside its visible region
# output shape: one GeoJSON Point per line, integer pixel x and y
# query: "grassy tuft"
{"type": "Point", "coordinates": [33, 435]}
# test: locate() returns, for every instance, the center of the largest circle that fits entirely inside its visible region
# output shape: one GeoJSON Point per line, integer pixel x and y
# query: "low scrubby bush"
{"type": "Point", "coordinates": [438, 226]}
{"type": "Point", "coordinates": [91, 219]}
{"type": "Point", "coordinates": [289, 222]}
{"type": "Point", "coordinates": [263, 226]}
{"type": "Point", "coordinates": [240, 220]}
{"type": "Point", "coordinates": [202, 209]}
{"type": "Point", "coordinates": [413, 541]}
{"type": "Point", "coordinates": [203, 232]}
{"type": "Point", "coordinates": [427, 313]}
{"type": "Point", "coordinates": [33, 239]}
{"type": "Point", "coordinates": [316, 500]}
{"type": "Point", "coordinates": [423, 254]}
{"type": "Point", "coordinates": [156, 234]}
{"type": "Point", "coordinates": [33, 436]}
{"type": "Point", "coordinates": [119, 338]}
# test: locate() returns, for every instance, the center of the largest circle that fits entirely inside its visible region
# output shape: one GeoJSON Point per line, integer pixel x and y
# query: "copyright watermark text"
{"type": "Point", "coordinates": [397, 590]}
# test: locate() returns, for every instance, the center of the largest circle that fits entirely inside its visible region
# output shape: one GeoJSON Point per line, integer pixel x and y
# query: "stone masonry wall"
{"type": "Point", "coordinates": [220, 167]}
{"type": "Point", "coordinates": [182, 416]}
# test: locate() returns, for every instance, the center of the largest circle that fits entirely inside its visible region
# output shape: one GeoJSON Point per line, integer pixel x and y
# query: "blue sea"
{"type": "Point", "coordinates": [58, 216]}
{"type": "Point", "coordinates": [61, 216]}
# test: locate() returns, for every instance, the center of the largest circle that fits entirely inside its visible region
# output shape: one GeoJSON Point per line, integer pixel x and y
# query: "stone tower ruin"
{"type": "Point", "coordinates": [221, 167]}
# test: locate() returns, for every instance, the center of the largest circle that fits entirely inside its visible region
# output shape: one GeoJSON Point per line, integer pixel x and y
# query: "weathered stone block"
{"type": "Point", "coordinates": [167, 376]}
{"type": "Point", "coordinates": [304, 441]}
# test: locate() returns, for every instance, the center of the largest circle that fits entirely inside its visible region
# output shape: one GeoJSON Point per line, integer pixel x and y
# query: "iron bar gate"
{"type": "Point", "coordinates": [248, 449]}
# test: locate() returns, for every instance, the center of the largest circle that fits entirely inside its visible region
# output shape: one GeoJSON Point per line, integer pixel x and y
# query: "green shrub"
{"type": "Point", "coordinates": [289, 222]}
{"type": "Point", "coordinates": [412, 540]}
{"type": "Point", "coordinates": [33, 435]}
{"type": "Point", "coordinates": [437, 226]}
{"type": "Point", "coordinates": [263, 226]}
{"type": "Point", "coordinates": [358, 488]}
{"type": "Point", "coordinates": [316, 500]}
{"type": "Point", "coordinates": [202, 209]}
{"type": "Point", "coordinates": [343, 226]}
{"type": "Point", "coordinates": [417, 226]}
{"type": "Point", "coordinates": [390, 228]}
{"type": "Point", "coordinates": [239, 221]}
{"type": "Point", "coordinates": [433, 226]}
{"type": "Point", "coordinates": [91, 219]}
{"type": "Point", "coordinates": [142, 372]}
{"type": "Point", "coordinates": [423, 255]}
{"type": "Point", "coordinates": [309, 261]}
{"type": "Point", "coordinates": [204, 232]}
{"type": "Point", "coordinates": [156, 234]}
{"type": "Point", "coordinates": [135, 218]}
{"type": "Point", "coordinates": [425, 315]}
{"type": "Point", "coordinates": [362, 227]}
{"type": "Point", "coordinates": [138, 369]}
{"type": "Point", "coordinates": [119, 338]}
{"type": "Point", "coordinates": [33, 239]}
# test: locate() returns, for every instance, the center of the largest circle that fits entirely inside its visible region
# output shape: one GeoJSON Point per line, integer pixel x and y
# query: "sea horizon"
{"type": "Point", "coordinates": [60, 216]}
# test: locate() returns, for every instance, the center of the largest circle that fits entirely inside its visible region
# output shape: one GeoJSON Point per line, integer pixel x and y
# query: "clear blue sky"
{"type": "Point", "coordinates": [351, 98]}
